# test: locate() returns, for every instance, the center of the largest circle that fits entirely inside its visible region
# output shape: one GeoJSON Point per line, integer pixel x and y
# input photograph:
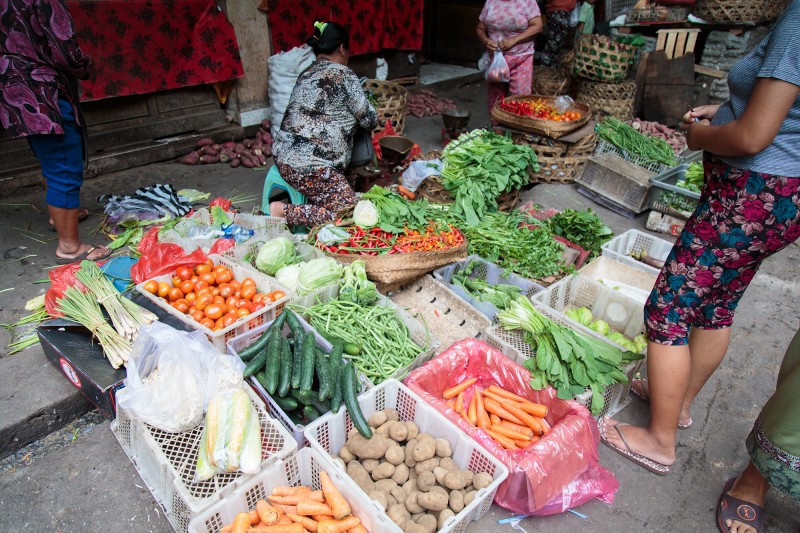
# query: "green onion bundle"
{"type": "Point", "coordinates": [650, 149]}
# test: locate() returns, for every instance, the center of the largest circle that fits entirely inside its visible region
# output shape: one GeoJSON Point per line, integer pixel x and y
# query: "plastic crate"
{"type": "Point", "coordinates": [488, 272]}
{"type": "Point", "coordinates": [418, 332]}
{"type": "Point", "coordinates": [620, 247]}
{"type": "Point", "coordinates": [265, 228]}
{"type": "Point", "coordinates": [264, 284]}
{"type": "Point", "coordinates": [166, 462]}
{"type": "Point", "coordinates": [632, 282]}
{"type": "Point", "coordinates": [328, 434]}
{"type": "Point", "coordinates": [300, 468]}
{"type": "Point", "coordinates": [670, 199]}
{"type": "Point", "coordinates": [605, 147]}
{"type": "Point", "coordinates": [242, 341]}
{"type": "Point", "coordinates": [448, 316]}
{"type": "Point", "coordinates": [625, 187]}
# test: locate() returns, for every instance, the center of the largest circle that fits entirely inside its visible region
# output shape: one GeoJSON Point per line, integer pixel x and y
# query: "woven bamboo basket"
{"type": "Point", "coordinates": [559, 162]}
{"type": "Point", "coordinates": [550, 81]}
{"type": "Point", "coordinates": [601, 59]}
{"type": "Point", "coordinates": [432, 190]}
{"type": "Point", "coordinates": [615, 99]}
{"type": "Point", "coordinates": [735, 11]}
{"type": "Point", "coordinates": [549, 128]}
{"type": "Point", "coordinates": [392, 98]}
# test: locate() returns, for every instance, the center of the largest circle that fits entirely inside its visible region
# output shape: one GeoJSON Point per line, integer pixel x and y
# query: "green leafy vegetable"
{"type": "Point", "coordinates": [274, 254]}
{"type": "Point", "coordinates": [584, 228]}
{"type": "Point", "coordinates": [318, 273]}
{"type": "Point", "coordinates": [395, 213]}
{"type": "Point", "coordinates": [650, 149]}
{"type": "Point", "coordinates": [499, 295]}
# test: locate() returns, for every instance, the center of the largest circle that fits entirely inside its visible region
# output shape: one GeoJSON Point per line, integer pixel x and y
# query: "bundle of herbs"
{"type": "Point", "coordinates": [583, 228]}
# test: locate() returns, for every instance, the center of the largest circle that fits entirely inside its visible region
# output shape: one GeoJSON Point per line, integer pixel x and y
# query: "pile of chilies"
{"type": "Point", "coordinates": [375, 241]}
{"type": "Point", "coordinates": [537, 109]}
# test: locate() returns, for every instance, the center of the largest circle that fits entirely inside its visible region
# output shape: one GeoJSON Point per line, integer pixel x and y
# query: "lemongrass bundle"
{"type": "Point", "coordinates": [82, 308]}
{"type": "Point", "coordinates": [126, 316]}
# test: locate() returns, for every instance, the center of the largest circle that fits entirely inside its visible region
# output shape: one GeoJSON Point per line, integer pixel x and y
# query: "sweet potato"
{"type": "Point", "coordinates": [192, 158]}
{"type": "Point", "coordinates": [230, 145]}
{"type": "Point", "coordinates": [246, 161]}
{"type": "Point", "coordinates": [205, 141]}
{"type": "Point", "coordinates": [235, 162]}
{"type": "Point", "coordinates": [248, 143]}
{"type": "Point", "coordinates": [266, 124]}
{"type": "Point", "coordinates": [207, 159]}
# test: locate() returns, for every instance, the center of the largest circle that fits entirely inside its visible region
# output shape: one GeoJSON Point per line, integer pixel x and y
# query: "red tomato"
{"type": "Point", "coordinates": [258, 298]}
{"type": "Point", "coordinates": [277, 295]}
{"type": "Point", "coordinates": [151, 286]}
{"type": "Point", "coordinates": [214, 311]}
{"type": "Point", "coordinates": [248, 282]}
{"type": "Point", "coordinates": [199, 285]}
{"type": "Point", "coordinates": [190, 297]}
{"type": "Point", "coordinates": [248, 292]}
{"type": "Point", "coordinates": [198, 315]}
{"type": "Point", "coordinates": [184, 272]}
{"type": "Point", "coordinates": [229, 319]}
{"type": "Point", "coordinates": [225, 290]}
{"type": "Point", "coordinates": [223, 276]}
{"type": "Point", "coordinates": [218, 299]}
{"type": "Point", "coordinates": [209, 278]}
{"type": "Point", "coordinates": [202, 269]}
{"type": "Point", "coordinates": [207, 322]}
{"type": "Point", "coordinates": [231, 302]}
{"type": "Point", "coordinates": [203, 301]}
{"type": "Point", "coordinates": [186, 286]}
{"type": "Point", "coordinates": [176, 281]}
{"type": "Point", "coordinates": [175, 294]}
{"type": "Point", "coordinates": [242, 312]}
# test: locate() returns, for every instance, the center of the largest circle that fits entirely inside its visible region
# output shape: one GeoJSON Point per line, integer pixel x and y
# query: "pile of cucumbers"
{"type": "Point", "coordinates": [303, 380]}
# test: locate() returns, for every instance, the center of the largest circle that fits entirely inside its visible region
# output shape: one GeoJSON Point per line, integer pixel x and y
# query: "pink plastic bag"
{"type": "Point", "coordinates": [559, 472]}
{"type": "Point", "coordinates": [498, 71]}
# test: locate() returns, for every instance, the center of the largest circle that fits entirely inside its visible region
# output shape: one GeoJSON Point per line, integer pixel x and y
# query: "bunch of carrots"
{"type": "Point", "coordinates": [512, 421]}
{"type": "Point", "coordinates": [299, 510]}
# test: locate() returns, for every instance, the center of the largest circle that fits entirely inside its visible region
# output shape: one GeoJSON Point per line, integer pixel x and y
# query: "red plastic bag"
{"type": "Point", "coordinates": [559, 472]}
{"type": "Point", "coordinates": [61, 278]}
{"type": "Point", "coordinates": [159, 258]}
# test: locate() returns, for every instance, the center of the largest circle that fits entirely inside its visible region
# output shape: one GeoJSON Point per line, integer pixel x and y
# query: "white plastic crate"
{"type": "Point", "coordinates": [264, 284]}
{"type": "Point", "coordinates": [166, 462]}
{"type": "Point", "coordinates": [264, 227]}
{"type": "Point", "coordinates": [488, 272]}
{"type": "Point", "coordinates": [620, 247]}
{"type": "Point", "coordinates": [238, 343]}
{"type": "Point", "coordinates": [605, 147]}
{"type": "Point", "coordinates": [328, 434]}
{"type": "Point", "coordinates": [300, 468]}
{"type": "Point", "coordinates": [632, 282]}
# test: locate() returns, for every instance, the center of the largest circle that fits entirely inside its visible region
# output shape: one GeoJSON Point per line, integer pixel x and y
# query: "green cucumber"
{"type": "Point", "coordinates": [350, 395]}
{"type": "Point", "coordinates": [351, 348]}
{"type": "Point", "coordinates": [297, 361]}
{"type": "Point", "coordinates": [310, 414]}
{"type": "Point", "coordinates": [256, 363]}
{"type": "Point", "coordinates": [273, 363]}
{"type": "Point", "coordinates": [309, 355]}
{"type": "Point", "coordinates": [335, 362]}
{"type": "Point", "coordinates": [323, 370]}
{"type": "Point", "coordinates": [309, 397]}
{"type": "Point", "coordinates": [293, 322]}
{"type": "Point", "coordinates": [261, 377]}
{"type": "Point", "coordinates": [286, 404]}
{"type": "Point", "coordinates": [285, 377]}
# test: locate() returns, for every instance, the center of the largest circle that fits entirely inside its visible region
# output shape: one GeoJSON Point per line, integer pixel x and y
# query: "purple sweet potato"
{"type": "Point", "coordinates": [248, 142]}
{"type": "Point", "coordinates": [209, 150]}
{"type": "Point", "coordinates": [208, 159]}
{"type": "Point", "coordinates": [230, 145]}
{"type": "Point", "coordinates": [262, 159]}
{"type": "Point", "coordinates": [240, 149]}
{"type": "Point", "coordinates": [205, 141]}
{"type": "Point", "coordinates": [192, 158]}
{"type": "Point", "coordinates": [246, 161]}
{"type": "Point", "coordinates": [235, 163]}
{"type": "Point", "coordinates": [266, 124]}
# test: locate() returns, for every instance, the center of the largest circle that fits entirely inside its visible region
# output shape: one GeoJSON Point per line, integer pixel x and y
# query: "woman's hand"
{"type": "Point", "coordinates": [492, 46]}
{"type": "Point", "coordinates": [505, 45]}
{"type": "Point", "coordinates": [691, 132]}
{"type": "Point", "coordinates": [704, 112]}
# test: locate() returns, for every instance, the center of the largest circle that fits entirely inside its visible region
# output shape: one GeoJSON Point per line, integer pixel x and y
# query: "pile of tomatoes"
{"type": "Point", "coordinates": [211, 295]}
{"type": "Point", "coordinates": [538, 109]}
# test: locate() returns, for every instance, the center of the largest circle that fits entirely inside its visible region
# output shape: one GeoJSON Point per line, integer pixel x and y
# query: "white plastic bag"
{"type": "Point", "coordinates": [498, 71]}
{"type": "Point", "coordinates": [575, 15]}
{"type": "Point", "coordinates": [417, 171]}
{"type": "Point", "coordinates": [284, 68]}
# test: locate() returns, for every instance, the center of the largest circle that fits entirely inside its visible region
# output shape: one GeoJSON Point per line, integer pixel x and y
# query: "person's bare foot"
{"type": "Point", "coordinates": [98, 252]}
{"type": "Point", "coordinates": [750, 487]}
{"type": "Point", "coordinates": [277, 209]}
{"type": "Point", "coordinates": [640, 389]}
{"type": "Point", "coordinates": [641, 441]}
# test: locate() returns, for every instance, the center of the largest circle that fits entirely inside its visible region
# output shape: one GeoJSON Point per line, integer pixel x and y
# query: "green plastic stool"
{"type": "Point", "coordinates": [275, 181]}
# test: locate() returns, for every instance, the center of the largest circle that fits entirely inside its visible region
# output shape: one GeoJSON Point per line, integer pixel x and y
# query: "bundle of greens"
{"type": "Point", "coordinates": [500, 295]}
{"type": "Point", "coordinates": [480, 166]}
{"type": "Point", "coordinates": [395, 213]}
{"type": "Point", "coordinates": [693, 179]}
{"type": "Point", "coordinates": [650, 149]}
{"type": "Point", "coordinates": [565, 359]}
{"type": "Point", "coordinates": [584, 228]}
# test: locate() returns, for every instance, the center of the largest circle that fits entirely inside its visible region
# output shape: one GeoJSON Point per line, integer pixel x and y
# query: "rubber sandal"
{"type": "Point", "coordinates": [643, 396]}
{"type": "Point", "coordinates": [730, 508]}
{"type": "Point", "coordinates": [81, 257]}
{"type": "Point", "coordinates": [627, 453]}
{"type": "Point", "coordinates": [82, 215]}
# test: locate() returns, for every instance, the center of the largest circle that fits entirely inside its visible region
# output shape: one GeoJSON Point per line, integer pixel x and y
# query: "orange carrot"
{"type": "Point", "coordinates": [241, 523]}
{"type": "Point", "coordinates": [316, 496]}
{"type": "Point", "coordinates": [526, 419]}
{"type": "Point", "coordinates": [493, 406]}
{"type": "Point", "coordinates": [226, 529]}
{"type": "Point", "coordinates": [505, 442]}
{"type": "Point", "coordinates": [494, 419]}
{"type": "Point", "coordinates": [461, 387]}
{"type": "Point", "coordinates": [480, 411]}
{"type": "Point", "coordinates": [522, 444]}
{"type": "Point", "coordinates": [308, 523]}
{"type": "Point", "coordinates": [545, 425]}
{"type": "Point", "coordinates": [451, 403]}
{"type": "Point", "coordinates": [517, 427]}
{"type": "Point", "coordinates": [278, 528]}
{"type": "Point", "coordinates": [463, 414]}
{"type": "Point", "coordinates": [535, 409]}
{"type": "Point", "coordinates": [287, 509]}
{"type": "Point", "coordinates": [506, 394]}
{"type": "Point", "coordinates": [333, 497]}
{"type": "Point", "coordinates": [338, 526]}
{"type": "Point", "coordinates": [284, 490]}
{"type": "Point", "coordinates": [472, 412]}
{"type": "Point", "coordinates": [310, 507]}
{"type": "Point", "coordinates": [268, 514]}
{"type": "Point", "coordinates": [321, 517]}
{"type": "Point", "coordinates": [284, 520]}
{"type": "Point", "coordinates": [459, 402]}
{"type": "Point", "coordinates": [358, 529]}
{"type": "Point", "coordinates": [510, 433]}
{"type": "Point", "coordinates": [255, 518]}
{"type": "Point", "coordinates": [496, 397]}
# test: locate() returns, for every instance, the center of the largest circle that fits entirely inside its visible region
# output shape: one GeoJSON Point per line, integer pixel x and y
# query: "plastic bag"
{"type": "Point", "coordinates": [417, 171]}
{"type": "Point", "coordinates": [284, 69]}
{"type": "Point", "coordinates": [575, 15]}
{"type": "Point", "coordinates": [160, 258]}
{"type": "Point", "coordinates": [563, 103]}
{"type": "Point", "coordinates": [559, 472]}
{"type": "Point", "coordinates": [172, 375]}
{"type": "Point", "coordinates": [498, 71]}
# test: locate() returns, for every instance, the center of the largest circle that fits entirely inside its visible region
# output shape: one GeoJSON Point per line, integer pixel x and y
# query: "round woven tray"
{"type": "Point", "coordinates": [550, 81]}
{"type": "Point", "coordinates": [755, 11]}
{"type": "Point", "coordinates": [559, 162]}
{"type": "Point", "coordinates": [601, 59]}
{"type": "Point", "coordinates": [615, 99]}
{"type": "Point", "coordinates": [550, 128]}
{"type": "Point", "coordinates": [392, 98]}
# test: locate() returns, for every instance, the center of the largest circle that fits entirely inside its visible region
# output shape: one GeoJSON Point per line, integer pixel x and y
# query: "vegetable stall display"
{"type": "Point", "coordinates": [583, 316]}
{"type": "Point", "coordinates": [538, 109]}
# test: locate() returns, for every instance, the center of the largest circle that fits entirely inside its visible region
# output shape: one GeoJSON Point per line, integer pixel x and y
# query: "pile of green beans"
{"type": "Point", "coordinates": [385, 343]}
{"type": "Point", "coordinates": [651, 149]}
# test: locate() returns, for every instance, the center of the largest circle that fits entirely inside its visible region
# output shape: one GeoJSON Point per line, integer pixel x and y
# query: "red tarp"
{"type": "Point", "coordinates": [144, 46]}
{"type": "Point", "coordinates": [373, 24]}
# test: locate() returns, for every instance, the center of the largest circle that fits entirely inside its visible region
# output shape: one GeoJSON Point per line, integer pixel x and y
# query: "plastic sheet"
{"type": "Point", "coordinates": [160, 258]}
{"type": "Point", "coordinates": [559, 472]}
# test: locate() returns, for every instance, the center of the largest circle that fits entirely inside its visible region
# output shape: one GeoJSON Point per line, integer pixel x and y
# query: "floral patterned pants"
{"type": "Point", "coordinates": [742, 218]}
{"type": "Point", "coordinates": [557, 29]}
{"type": "Point", "coordinates": [326, 192]}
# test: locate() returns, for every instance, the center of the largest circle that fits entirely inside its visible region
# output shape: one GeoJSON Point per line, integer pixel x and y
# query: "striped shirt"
{"type": "Point", "coordinates": [777, 56]}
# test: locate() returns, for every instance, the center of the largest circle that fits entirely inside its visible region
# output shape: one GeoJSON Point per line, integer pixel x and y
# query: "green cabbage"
{"type": "Point", "coordinates": [287, 276]}
{"type": "Point", "coordinates": [600, 326]}
{"type": "Point", "coordinates": [365, 214]}
{"type": "Point", "coordinates": [318, 273]}
{"type": "Point", "coordinates": [617, 337]}
{"type": "Point", "coordinates": [640, 341]}
{"type": "Point", "coordinates": [274, 254]}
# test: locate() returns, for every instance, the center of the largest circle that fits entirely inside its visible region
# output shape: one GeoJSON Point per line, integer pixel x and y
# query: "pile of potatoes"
{"type": "Point", "coordinates": [410, 473]}
{"type": "Point", "coordinates": [251, 152]}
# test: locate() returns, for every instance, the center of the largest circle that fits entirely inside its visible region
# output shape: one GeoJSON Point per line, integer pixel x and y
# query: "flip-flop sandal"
{"type": "Point", "coordinates": [731, 508]}
{"type": "Point", "coordinates": [627, 453]}
{"type": "Point", "coordinates": [81, 257]}
{"type": "Point", "coordinates": [83, 215]}
{"type": "Point", "coordinates": [645, 397]}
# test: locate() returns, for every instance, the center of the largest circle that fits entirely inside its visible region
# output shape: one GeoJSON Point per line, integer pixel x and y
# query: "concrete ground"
{"type": "Point", "coordinates": [77, 478]}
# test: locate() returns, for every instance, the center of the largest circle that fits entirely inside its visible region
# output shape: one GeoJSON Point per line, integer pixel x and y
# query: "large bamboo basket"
{"type": "Point", "coordinates": [549, 128]}
{"type": "Point", "coordinates": [392, 98]}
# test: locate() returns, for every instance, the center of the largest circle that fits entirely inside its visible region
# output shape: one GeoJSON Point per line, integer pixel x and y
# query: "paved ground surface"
{"type": "Point", "coordinates": [79, 479]}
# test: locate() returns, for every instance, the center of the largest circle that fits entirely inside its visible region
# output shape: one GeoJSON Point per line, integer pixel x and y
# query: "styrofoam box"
{"type": "Point", "coordinates": [632, 282]}
{"type": "Point", "coordinates": [620, 247]}
{"type": "Point", "coordinates": [264, 284]}
{"type": "Point", "coordinates": [166, 462]}
{"type": "Point", "coordinates": [242, 341]}
{"type": "Point", "coordinates": [328, 434]}
{"type": "Point", "coordinates": [488, 272]}
{"type": "Point", "coordinates": [300, 468]}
